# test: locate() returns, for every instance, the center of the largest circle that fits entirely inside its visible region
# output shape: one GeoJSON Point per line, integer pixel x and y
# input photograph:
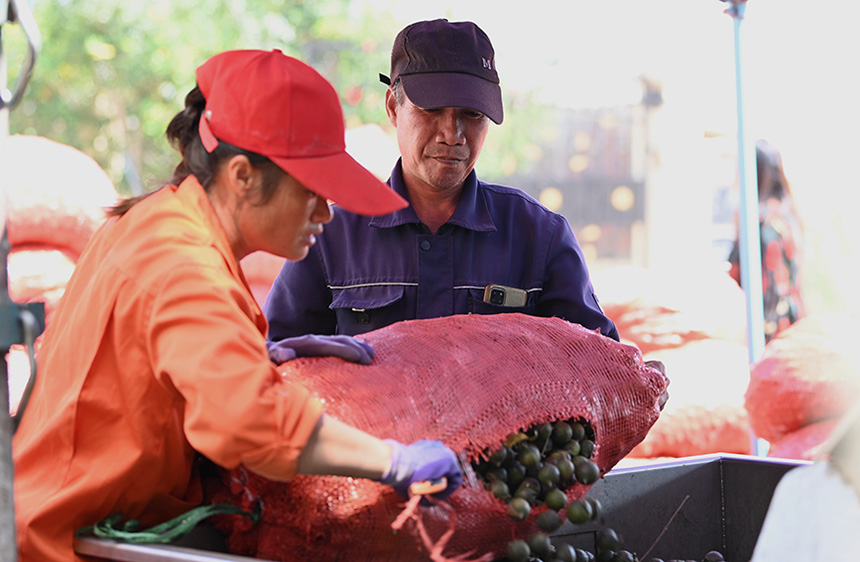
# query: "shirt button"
{"type": "Point", "coordinates": [425, 245]}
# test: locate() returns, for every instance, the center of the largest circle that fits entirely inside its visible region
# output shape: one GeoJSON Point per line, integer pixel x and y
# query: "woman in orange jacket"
{"type": "Point", "coordinates": [156, 354]}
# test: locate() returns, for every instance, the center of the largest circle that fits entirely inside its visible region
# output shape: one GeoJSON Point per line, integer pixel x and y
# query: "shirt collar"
{"type": "Point", "coordinates": [471, 211]}
{"type": "Point", "coordinates": [195, 199]}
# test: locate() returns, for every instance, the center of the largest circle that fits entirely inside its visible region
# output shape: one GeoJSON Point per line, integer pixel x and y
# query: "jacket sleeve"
{"type": "Point", "coordinates": [299, 301]}
{"type": "Point", "coordinates": [205, 343]}
{"type": "Point", "coordinates": [567, 289]}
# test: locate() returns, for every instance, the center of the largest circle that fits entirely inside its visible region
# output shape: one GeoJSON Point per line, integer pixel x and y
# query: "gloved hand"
{"type": "Point", "coordinates": [422, 460]}
{"type": "Point", "coordinates": [345, 347]}
{"type": "Point", "coordinates": [659, 366]}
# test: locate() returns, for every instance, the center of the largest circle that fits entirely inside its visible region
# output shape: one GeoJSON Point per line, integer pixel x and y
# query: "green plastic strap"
{"type": "Point", "coordinates": [166, 532]}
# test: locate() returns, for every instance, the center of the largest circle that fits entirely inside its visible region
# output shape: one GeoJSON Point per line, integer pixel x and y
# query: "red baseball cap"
{"type": "Point", "coordinates": [277, 106]}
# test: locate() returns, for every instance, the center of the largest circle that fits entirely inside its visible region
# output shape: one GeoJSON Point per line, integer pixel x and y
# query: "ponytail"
{"type": "Point", "coordinates": [183, 135]}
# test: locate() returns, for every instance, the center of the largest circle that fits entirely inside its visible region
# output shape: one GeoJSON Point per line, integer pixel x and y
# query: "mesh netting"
{"type": "Point", "coordinates": [694, 321]}
{"type": "Point", "coordinates": [662, 309]}
{"type": "Point", "coordinates": [806, 443]}
{"type": "Point", "coordinates": [260, 270]}
{"type": "Point", "coordinates": [468, 381]}
{"type": "Point", "coordinates": [57, 206]}
{"type": "Point", "coordinates": [807, 374]}
{"type": "Point", "coordinates": [705, 413]}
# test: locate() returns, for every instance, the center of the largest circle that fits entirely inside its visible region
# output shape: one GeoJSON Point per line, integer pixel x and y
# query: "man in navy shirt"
{"type": "Point", "coordinates": [463, 245]}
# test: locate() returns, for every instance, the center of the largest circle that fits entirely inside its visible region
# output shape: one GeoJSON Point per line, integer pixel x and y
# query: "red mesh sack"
{"type": "Point", "coordinates": [805, 443]}
{"type": "Point", "coordinates": [469, 381]}
{"type": "Point", "coordinates": [35, 275]}
{"type": "Point", "coordinates": [39, 274]}
{"type": "Point", "coordinates": [57, 194]}
{"type": "Point", "coordinates": [260, 270]}
{"type": "Point", "coordinates": [694, 321]}
{"type": "Point", "coordinates": [656, 310]}
{"type": "Point", "coordinates": [705, 412]}
{"type": "Point", "coordinates": [807, 373]}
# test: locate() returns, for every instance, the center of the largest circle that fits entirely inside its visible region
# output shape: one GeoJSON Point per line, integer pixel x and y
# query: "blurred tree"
{"type": "Point", "coordinates": [112, 73]}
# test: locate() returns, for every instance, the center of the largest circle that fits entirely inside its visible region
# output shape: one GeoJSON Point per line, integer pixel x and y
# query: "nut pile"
{"type": "Point", "coordinates": [609, 548]}
{"type": "Point", "coordinates": [534, 468]}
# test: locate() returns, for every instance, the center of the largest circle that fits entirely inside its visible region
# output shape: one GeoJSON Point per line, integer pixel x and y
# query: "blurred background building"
{"type": "Point", "coordinates": [621, 114]}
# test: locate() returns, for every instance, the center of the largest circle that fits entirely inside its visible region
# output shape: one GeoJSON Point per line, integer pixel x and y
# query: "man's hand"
{"type": "Point", "coordinates": [659, 366]}
{"type": "Point", "coordinates": [345, 347]}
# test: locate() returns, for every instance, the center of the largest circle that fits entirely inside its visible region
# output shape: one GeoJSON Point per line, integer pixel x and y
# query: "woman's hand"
{"type": "Point", "coordinates": [421, 461]}
{"type": "Point", "coordinates": [345, 347]}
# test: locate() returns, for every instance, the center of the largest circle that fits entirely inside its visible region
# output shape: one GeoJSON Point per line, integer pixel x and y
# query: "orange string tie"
{"type": "Point", "coordinates": [435, 548]}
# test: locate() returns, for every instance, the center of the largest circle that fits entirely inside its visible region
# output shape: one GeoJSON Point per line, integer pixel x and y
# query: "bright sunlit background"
{"type": "Point", "coordinates": [800, 89]}
{"type": "Point", "coordinates": [621, 114]}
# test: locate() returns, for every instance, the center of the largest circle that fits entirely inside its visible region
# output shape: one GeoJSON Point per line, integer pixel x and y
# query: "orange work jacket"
{"type": "Point", "coordinates": [156, 350]}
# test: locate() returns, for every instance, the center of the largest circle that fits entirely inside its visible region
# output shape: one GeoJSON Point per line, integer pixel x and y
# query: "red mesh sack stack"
{"type": "Point", "coordinates": [806, 379]}
{"type": "Point", "coordinates": [469, 381]}
{"type": "Point", "coordinates": [705, 413]}
{"type": "Point", "coordinates": [260, 270]}
{"type": "Point", "coordinates": [56, 198]}
{"type": "Point", "coordinates": [57, 195]}
{"type": "Point", "coordinates": [694, 321]}
{"type": "Point", "coordinates": [806, 443]}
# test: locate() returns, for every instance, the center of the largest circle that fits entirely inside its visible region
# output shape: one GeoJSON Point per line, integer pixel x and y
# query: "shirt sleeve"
{"type": "Point", "coordinates": [237, 410]}
{"type": "Point", "coordinates": [567, 289]}
{"type": "Point", "coordinates": [299, 301]}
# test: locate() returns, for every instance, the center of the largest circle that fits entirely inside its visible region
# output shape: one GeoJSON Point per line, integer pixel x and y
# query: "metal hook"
{"type": "Point", "coordinates": [31, 330]}
{"type": "Point", "coordinates": [19, 11]}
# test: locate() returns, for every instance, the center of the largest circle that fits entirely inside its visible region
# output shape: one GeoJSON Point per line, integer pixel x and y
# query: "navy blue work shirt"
{"type": "Point", "coordinates": [365, 273]}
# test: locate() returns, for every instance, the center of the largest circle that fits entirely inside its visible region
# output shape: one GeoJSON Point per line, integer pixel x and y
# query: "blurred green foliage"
{"type": "Point", "coordinates": [112, 73]}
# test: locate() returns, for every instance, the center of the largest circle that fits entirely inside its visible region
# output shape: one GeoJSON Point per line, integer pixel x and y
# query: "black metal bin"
{"type": "Point", "coordinates": [720, 500]}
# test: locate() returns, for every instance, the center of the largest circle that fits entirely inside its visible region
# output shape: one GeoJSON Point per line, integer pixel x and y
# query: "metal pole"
{"type": "Point", "coordinates": [750, 236]}
{"type": "Point", "coordinates": [4, 113]}
{"type": "Point", "coordinates": [12, 327]}
{"type": "Point", "coordinates": [749, 231]}
{"type": "Point", "coordinates": [8, 546]}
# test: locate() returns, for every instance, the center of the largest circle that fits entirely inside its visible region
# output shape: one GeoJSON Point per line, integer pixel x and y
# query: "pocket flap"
{"type": "Point", "coordinates": [366, 297]}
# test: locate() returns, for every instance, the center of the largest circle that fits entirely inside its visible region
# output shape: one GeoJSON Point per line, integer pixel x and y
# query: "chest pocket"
{"type": "Point", "coordinates": [362, 309]}
{"type": "Point", "coordinates": [478, 306]}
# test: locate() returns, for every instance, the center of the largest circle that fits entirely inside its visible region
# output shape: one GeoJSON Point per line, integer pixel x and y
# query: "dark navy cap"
{"type": "Point", "coordinates": [447, 64]}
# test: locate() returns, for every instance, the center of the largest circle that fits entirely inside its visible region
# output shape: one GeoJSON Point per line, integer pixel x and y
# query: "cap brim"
{"type": "Point", "coordinates": [455, 89]}
{"type": "Point", "coordinates": [341, 179]}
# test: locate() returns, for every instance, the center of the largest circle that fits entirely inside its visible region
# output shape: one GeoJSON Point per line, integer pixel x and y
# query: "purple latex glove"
{"type": "Point", "coordinates": [422, 460]}
{"type": "Point", "coordinates": [345, 347]}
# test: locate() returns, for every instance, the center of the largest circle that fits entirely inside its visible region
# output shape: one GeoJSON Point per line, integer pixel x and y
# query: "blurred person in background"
{"type": "Point", "coordinates": [463, 246]}
{"type": "Point", "coordinates": [156, 358]}
{"type": "Point", "coordinates": [781, 244]}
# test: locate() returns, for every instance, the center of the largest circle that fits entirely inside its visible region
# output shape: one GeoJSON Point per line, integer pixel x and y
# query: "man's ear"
{"type": "Point", "coordinates": [391, 106]}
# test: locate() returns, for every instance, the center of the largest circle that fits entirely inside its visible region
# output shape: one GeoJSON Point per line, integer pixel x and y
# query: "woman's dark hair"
{"type": "Point", "coordinates": [182, 133]}
{"type": "Point", "coordinates": [772, 183]}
